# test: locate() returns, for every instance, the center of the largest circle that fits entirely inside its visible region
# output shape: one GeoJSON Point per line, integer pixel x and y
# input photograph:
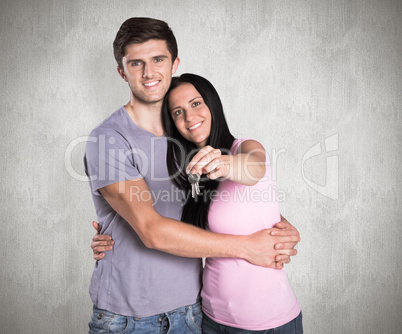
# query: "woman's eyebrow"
{"type": "Point", "coordinates": [175, 108]}
{"type": "Point", "coordinates": [197, 97]}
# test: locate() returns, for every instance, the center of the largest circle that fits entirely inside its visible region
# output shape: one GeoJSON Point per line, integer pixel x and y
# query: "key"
{"type": "Point", "coordinates": [195, 187]}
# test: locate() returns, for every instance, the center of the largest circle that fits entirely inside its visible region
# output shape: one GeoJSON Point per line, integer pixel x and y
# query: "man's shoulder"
{"type": "Point", "coordinates": [111, 125]}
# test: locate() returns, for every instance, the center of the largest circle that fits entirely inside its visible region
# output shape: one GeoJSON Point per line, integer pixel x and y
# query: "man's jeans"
{"type": "Point", "coordinates": [184, 320]}
{"type": "Point", "coordinates": [292, 327]}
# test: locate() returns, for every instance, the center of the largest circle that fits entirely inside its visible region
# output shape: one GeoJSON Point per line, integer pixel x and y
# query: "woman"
{"type": "Point", "coordinates": [237, 197]}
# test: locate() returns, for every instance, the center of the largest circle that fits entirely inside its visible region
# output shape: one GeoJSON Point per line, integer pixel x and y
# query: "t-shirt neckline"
{"type": "Point", "coordinates": [137, 126]}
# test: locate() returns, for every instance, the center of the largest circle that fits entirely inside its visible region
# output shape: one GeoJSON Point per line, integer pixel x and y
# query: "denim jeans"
{"type": "Point", "coordinates": [183, 320]}
{"type": "Point", "coordinates": [294, 326]}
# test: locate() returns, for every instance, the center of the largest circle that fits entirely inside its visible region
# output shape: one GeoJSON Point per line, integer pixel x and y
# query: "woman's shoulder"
{"type": "Point", "coordinates": [245, 144]}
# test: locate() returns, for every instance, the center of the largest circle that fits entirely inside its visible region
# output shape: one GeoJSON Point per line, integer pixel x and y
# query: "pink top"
{"type": "Point", "coordinates": [236, 293]}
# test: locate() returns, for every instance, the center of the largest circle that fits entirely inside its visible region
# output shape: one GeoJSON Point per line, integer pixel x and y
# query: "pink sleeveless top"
{"type": "Point", "coordinates": [236, 293]}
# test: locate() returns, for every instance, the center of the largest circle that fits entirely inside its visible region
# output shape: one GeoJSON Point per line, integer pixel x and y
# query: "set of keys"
{"type": "Point", "coordinates": [194, 180]}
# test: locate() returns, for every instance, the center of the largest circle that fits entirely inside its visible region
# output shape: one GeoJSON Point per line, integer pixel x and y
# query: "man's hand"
{"type": "Point", "coordinates": [100, 243]}
{"type": "Point", "coordinates": [263, 251]}
{"type": "Point", "coordinates": [271, 248]}
{"type": "Point", "coordinates": [284, 228]}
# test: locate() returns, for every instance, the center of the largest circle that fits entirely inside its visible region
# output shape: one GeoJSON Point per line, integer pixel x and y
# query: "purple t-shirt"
{"type": "Point", "coordinates": [132, 279]}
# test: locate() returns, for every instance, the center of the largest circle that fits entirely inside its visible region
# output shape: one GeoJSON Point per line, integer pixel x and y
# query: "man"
{"type": "Point", "coordinates": [151, 280]}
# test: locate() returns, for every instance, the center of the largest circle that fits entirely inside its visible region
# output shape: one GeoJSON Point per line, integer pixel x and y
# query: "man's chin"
{"type": "Point", "coordinates": [146, 99]}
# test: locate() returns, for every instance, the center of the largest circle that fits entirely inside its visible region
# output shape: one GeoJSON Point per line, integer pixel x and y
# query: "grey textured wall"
{"type": "Point", "coordinates": [317, 81]}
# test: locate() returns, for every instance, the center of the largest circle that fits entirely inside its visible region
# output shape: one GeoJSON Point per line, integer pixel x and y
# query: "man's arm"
{"type": "Point", "coordinates": [182, 239]}
{"type": "Point", "coordinates": [102, 242]}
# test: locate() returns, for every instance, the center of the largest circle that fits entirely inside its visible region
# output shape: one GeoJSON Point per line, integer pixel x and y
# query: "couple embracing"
{"type": "Point", "coordinates": [149, 277]}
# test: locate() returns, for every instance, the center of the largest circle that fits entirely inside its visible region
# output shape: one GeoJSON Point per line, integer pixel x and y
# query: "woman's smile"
{"type": "Point", "coordinates": [190, 114]}
{"type": "Point", "coordinates": [196, 126]}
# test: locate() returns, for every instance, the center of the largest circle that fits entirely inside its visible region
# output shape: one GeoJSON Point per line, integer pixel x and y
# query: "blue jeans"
{"type": "Point", "coordinates": [294, 326]}
{"type": "Point", "coordinates": [183, 320]}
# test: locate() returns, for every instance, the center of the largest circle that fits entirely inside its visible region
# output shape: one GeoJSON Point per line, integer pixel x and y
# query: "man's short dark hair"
{"type": "Point", "coordinates": [138, 30]}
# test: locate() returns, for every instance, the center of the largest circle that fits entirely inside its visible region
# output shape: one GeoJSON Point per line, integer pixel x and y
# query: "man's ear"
{"type": "Point", "coordinates": [121, 72]}
{"type": "Point", "coordinates": [175, 65]}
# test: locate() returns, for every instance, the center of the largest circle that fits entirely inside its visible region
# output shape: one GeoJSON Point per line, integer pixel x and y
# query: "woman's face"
{"type": "Point", "coordinates": [190, 114]}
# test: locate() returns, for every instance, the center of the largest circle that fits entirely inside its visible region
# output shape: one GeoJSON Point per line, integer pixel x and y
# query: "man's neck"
{"type": "Point", "coordinates": [146, 116]}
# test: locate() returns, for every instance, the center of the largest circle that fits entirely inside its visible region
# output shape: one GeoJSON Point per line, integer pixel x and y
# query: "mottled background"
{"type": "Point", "coordinates": [317, 81]}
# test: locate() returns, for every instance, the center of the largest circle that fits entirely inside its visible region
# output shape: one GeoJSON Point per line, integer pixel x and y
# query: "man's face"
{"type": "Point", "coordinates": [148, 69]}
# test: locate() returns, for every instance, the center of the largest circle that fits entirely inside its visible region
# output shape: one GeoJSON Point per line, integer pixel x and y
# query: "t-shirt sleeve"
{"type": "Point", "coordinates": [237, 142]}
{"type": "Point", "coordinates": [108, 159]}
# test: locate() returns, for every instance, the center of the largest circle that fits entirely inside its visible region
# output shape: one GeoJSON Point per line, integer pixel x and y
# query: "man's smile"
{"type": "Point", "coordinates": [151, 84]}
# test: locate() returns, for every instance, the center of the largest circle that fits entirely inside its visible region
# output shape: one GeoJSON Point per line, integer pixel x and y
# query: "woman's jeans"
{"type": "Point", "coordinates": [294, 326]}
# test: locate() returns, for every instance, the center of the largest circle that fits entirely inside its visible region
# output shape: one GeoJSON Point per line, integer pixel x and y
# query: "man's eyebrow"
{"type": "Point", "coordinates": [160, 56]}
{"type": "Point", "coordinates": [133, 61]}
{"type": "Point", "coordinates": [140, 60]}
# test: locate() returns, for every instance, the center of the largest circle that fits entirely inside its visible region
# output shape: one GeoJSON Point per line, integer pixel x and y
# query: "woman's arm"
{"type": "Point", "coordinates": [246, 167]}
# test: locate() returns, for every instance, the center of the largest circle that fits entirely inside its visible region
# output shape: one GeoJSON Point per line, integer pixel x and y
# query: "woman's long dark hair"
{"type": "Point", "coordinates": [180, 151]}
